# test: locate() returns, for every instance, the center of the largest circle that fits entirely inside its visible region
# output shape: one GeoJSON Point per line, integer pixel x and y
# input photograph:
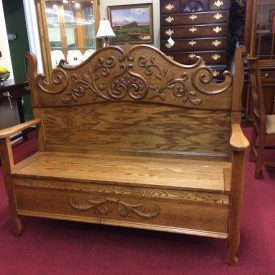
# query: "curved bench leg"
{"type": "Point", "coordinates": [17, 226]}
{"type": "Point", "coordinates": [235, 206]}
{"type": "Point", "coordinates": [234, 243]}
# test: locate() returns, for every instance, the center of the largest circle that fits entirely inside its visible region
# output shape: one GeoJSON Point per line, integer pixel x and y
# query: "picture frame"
{"type": "Point", "coordinates": [272, 20]}
{"type": "Point", "coordinates": [132, 23]}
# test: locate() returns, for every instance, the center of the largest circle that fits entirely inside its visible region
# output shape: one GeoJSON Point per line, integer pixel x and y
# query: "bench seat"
{"type": "Point", "coordinates": [130, 170]}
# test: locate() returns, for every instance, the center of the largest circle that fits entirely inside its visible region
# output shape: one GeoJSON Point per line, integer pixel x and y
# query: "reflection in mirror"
{"type": "Point", "coordinates": [71, 29]}
{"type": "Point", "coordinates": [265, 26]}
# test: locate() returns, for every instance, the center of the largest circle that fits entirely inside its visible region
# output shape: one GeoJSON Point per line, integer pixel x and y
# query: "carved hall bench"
{"type": "Point", "coordinates": [131, 138]}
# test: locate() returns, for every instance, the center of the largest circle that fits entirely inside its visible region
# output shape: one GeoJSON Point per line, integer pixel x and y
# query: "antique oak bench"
{"type": "Point", "coordinates": [131, 138]}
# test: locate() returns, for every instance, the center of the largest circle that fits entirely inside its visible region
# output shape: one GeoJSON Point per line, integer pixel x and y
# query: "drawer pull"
{"type": "Point", "coordinates": [218, 3]}
{"type": "Point", "coordinates": [215, 56]}
{"type": "Point", "coordinates": [169, 32]}
{"type": "Point", "coordinates": [215, 73]}
{"type": "Point", "coordinates": [192, 43]}
{"type": "Point", "coordinates": [216, 43]}
{"type": "Point", "coordinates": [218, 16]}
{"type": "Point", "coordinates": [169, 19]}
{"type": "Point", "coordinates": [192, 55]}
{"type": "Point", "coordinates": [193, 29]}
{"type": "Point", "coordinates": [266, 75]}
{"type": "Point", "coordinates": [169, 7]}
{"type": "Point", "coordinates": [168, 45]}
{"type": "Point", "coordinates": [217, 29]}
{"type": "Point", "coordinates": [193, 17]}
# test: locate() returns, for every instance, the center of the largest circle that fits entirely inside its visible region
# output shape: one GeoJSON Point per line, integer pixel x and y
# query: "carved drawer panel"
{"type": "Point", "coordinates": [194, 18]}
{"type": "Point", "coordinates": [194, 44]}
{"type": "Point", "coordinates": [219, 4]}
{"type": "Point", "coordinates": [169, 6]}
{"type": "Point", "coordinates": [159, 209]}
{"type": "Point", "coordinates": [210, 57]}
{"type": "Point", "coordinates": [216, 30]}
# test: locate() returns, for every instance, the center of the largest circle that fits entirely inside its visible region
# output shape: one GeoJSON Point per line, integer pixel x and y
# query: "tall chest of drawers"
{"type": "Point", "coordinates": [198, 27]}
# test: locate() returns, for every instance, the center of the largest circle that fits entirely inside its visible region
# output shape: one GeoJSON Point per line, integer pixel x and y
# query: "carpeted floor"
{"type": "Point", "coordinates": [57, 247]}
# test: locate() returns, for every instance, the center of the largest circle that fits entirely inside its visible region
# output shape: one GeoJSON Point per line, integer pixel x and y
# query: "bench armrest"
{"type": "Point", "coordinates": [5, 133]}
{"type": "Point", "coordinates": [238, 141]}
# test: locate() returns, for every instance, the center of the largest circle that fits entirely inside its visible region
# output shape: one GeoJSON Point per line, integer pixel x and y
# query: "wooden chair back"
{"type": "Point", "coordinates": [263, 127]}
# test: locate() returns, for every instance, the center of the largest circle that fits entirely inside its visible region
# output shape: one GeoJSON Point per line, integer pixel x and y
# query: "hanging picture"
{"type": "Point", "coordinates": [132, 23]}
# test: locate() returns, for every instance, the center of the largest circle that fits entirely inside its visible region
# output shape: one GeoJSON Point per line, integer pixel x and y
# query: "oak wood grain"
{"type": "Point", "coordinates": [132, 138]}
{"type": "Point", "coordinates": [147, 171]}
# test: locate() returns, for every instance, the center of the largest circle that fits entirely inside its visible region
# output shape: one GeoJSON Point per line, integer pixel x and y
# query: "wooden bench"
{"type": "Point", "coordinates": [131, 138]}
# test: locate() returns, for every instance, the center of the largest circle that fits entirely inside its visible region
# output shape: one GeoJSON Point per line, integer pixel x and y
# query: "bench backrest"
{"type": "Point", "coordinates": [135, 100]}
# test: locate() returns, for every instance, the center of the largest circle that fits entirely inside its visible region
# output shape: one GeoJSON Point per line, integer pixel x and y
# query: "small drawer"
{"type": "Point", "coordinates": [218, 43]}
{"type": "Point", "coordinates": [169, 6]}
{"type": "Point", "coordinates": [194, 18]}
{"type": "Point", "coordinates": [219, 4]}
{"type": "Point", "coordinates": [213, 30]}
{"type": "Point", "coordinates": [210, 57]}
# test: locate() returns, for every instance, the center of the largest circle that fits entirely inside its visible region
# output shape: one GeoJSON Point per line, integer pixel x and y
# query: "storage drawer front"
{"type": "Point", "coordinates": [219, 4]}
{"type": "Point", "coordinates": [214, 57]}
{"type": "Point", "coordinates": [194, 18]}
{"type": "Point", "coordinates": [125, 206]}
{"type": "Point", "coordinates": [216, 30]}
{"type": "Point", "coordinates": [169, 6]}
{"type": "Point", "coordinates": [194, 44]}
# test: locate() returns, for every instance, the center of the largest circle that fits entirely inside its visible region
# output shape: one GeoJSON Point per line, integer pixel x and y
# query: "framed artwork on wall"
{"type": "Point", "coordinates": [272, 20]}
{"type": "Point", "coordinates": [132, 23]}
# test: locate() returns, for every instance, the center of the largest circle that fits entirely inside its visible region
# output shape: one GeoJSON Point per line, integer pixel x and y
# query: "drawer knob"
{"type": "Point", "coordinates": [169, 19]}
{"type": "Point", "coordinates": [192, 55]}
{"type": "Point", "coordinates": [217, 29]}
{"type": "Point", "coordinates": [168, 45]}
{"type": "Point", "coordinates": [192, 43]}
{"type": "Point", "coordinates": [266, 75]}
{"type": "Point", "coordinates": [218, 3]}
{"type": "Point", "coordinates": [169, 7]}
{"type": "Point", "coordinates": [169, 32]}
{"type": "Point", "coordinates": [216, 43]}
{"type": "Point", "coordinates": [193, 29]}
{"type": "Point", "coordinates": [193, 17]}
{"type": "Point", "coordinates": [217, 16]}
{"type": "Point", "coordinates": [215, 56]}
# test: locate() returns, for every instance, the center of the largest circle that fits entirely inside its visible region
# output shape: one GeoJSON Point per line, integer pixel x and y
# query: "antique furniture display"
{"type": "Point", "coordinates": [197, 28]}
{"type": "Point", "coordinates": [132, 138]}
{"type": "Point", "coordinates": [67, 30]}
{"type": "Point", "coordinates": [263, 131]}
{"type": "Point", "coordinates": [260, 42]}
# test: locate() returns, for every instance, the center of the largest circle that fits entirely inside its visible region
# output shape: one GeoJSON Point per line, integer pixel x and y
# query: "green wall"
{"type": "Point", "coordinates": [15, 22]}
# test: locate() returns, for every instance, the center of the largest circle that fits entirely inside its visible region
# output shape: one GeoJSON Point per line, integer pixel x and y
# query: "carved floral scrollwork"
{"type": "Point", "coordinates": [60, 81]}
{"type": "Point", "coordinates": [202, 80]}
{"type": "Point", "coordinates": [123, 208]}
{"type": "Point", "coordinates": [168, 82]}
{"type": "Point", "coordinates": [88, 81]}
{"type": "Point", "coordinates": [129, 83]}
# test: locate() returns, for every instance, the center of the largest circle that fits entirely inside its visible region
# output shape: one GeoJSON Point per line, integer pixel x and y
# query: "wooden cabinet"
{"type": "Point", "coordinates": [67, 30]}
{"type": "Point", "coordinates": [197, 28]}
{"type": "Point", "coordinates": [260, 42]}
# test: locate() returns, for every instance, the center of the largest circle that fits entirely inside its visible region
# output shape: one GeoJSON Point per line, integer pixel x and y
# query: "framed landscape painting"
{"type": "Point", "coordinates": [132, 23]}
